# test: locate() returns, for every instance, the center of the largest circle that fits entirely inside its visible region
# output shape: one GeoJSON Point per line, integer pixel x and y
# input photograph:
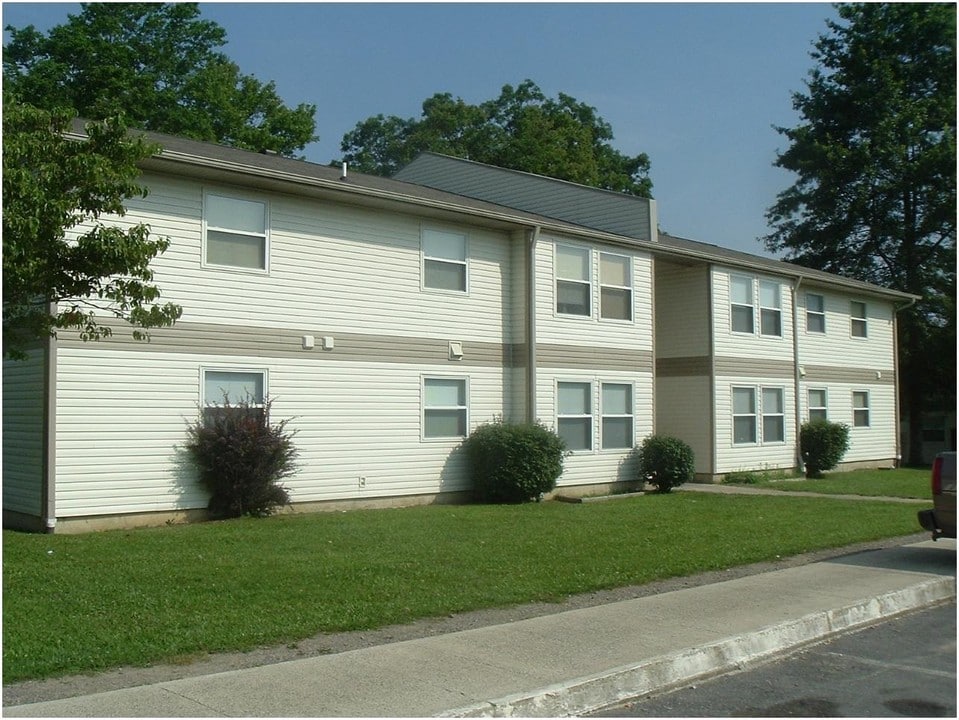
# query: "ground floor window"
{"type": "Point", "coordinates": [222, 387]}
{"type": "Point", "coordinates": [617, 416]}
{"type": "Point", "coordinates": [860, 408]}
{"type": "Point", "coordinates": [574, 414]}
{"type": "Point", "coordinates": [816, 401]}
{"type": "Point", "coordinates": [759, 415]}
{"type": "Point", "coordinates": [445, 407]}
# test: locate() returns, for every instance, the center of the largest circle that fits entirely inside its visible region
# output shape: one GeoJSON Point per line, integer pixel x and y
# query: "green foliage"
{"type": "Point", "coordinates": [158, 65]}
{"type": "Point", "coordinates": [512, 463]}
{"type": "Point", "coordinates": [875, 156]}
{"type": "Point", "coordinates": [665, 462]}
{"type": "Point", "coordinates": [822, 445]}
{"type": "Point", "coordinates": [138, 597]}
{"type": "Point", "coordinates": [241, 457]}
{"type": "Point", "coordinates": [522, 129]}
{"type": "Point", "coordinates": [55, 248]}
{"type": "Point", "coordinates": [755, 477]}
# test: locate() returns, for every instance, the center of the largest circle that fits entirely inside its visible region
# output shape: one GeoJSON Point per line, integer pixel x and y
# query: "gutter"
{"type": "Point", "coordinates": [531, 243]}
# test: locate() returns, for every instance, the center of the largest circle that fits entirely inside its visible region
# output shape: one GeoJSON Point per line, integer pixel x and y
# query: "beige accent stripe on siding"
{"type": "Point", "coordinates": [753, 367]}
{"type": "Point", "coordinates": [593, 358]}
{"type": "Point", "coordinates": [683, 367]}
{"type": "Point", "coordinates": [829, 373]}
{"type": "Point", "coordinates": [234, 340]}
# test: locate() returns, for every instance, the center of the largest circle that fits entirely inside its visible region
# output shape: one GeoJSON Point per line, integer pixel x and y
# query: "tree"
{"type": "Point", "coordinates": [875, 156]}
{"type": "Point", "coordinates": [55, 249]}
{"type": "Point", "coordinates": [157, 65]}
{"type": "Point", "coordinates": [522, 129]}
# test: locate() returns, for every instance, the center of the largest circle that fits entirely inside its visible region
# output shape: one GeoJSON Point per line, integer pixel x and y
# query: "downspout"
{"type": "Point", "coordinates": [713, 439]}
{"type": "Point", "coordinates": [532, 238]}
{"type": "Point", "coordinates": [895, 375]}
{"type": "Point", "coordinates": [48, 463]}
{"type": "Point", "coordinates": [797, 374]}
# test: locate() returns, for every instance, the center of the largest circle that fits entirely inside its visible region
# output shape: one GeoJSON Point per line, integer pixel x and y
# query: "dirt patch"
{"type": "Point", "coordinates": [32, 691]}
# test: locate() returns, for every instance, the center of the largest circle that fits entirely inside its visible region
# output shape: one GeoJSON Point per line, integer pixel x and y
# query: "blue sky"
{"type": "Point", "coordinates": [696, 86]}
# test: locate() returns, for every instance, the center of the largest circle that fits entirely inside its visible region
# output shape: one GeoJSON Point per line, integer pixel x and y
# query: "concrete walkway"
{"type": "Point", "coordinates": [565, 664]}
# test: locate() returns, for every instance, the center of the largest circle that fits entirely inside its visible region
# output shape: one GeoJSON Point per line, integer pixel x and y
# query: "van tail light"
{"type": "Point", "coordinates": [937, 476]}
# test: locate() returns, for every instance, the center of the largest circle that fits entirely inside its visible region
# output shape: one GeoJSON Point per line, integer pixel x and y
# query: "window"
{"type": "Point", "coordinates": [236, 233]}
{"type": "Point", "coordinates": [860, 409]}
{"type": "Point", "coordinates": [744, 415]}
{"type": "Point", "coordinates": [445, 408]}
{"type": "Point", "coordinates": [444, 260]}
{"type": "Point", "coordinates": [741, 303]}
{"type": "Point", "coordinates": [233, 386]}
{"type": "Point", "coordinates": [774, 416]}
{"type": "Point", "coordinates": [816, 400]}
{"type": "Point", "coordinates": [617, 416]}
{"type": "Point", "coordinates": [857, 314]}
{"type": "Point", "coordinates": [770, 309]}
{"type": "Point", "coordinates": [815, 313]}
{"type": "Point", "coordinates": [573, 287]}
{"type": "Point", "coordinates": [615, 287]}
{"type": "Point", "coordinates": [574, 414]}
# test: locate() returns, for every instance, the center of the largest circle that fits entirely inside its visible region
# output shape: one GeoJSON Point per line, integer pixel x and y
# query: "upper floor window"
{"type": "Point", "coordinates": [816, 401]}
{"type": "Point", "coordinates": [617, 415]}
{"type": "Point", "coordinates": [860, 408]}
{"type": "Point", "coordinates": [857, 315]}
{"type": "Point", "coordinates": [615, 287]}
{"type": "Point", "coordinates": [815, 313]}
{"type": "Point", "coordinates": [770, 309]}
{"type": "Point", "coordinates": [445, 407]}
{"type": "Point", "coordinates": [444, 260]}
{"type": "Point", "coordinates": [574, 414]}
{"type": "Point", "coordinates": [573, 285]}
{"type": "Point", "coordinates": [741, 303]}
{"type": "Point", "coordinates": [236, 232]}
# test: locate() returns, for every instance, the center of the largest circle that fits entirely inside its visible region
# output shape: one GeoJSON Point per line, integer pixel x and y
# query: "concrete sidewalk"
{"type": "Point", "coordinates": [565, 664]}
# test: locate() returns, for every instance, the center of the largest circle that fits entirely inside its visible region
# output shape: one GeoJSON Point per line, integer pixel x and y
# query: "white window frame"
{"type": "Point", "coordinates": [822, 411]}
{"type": "Point", "coordinates": [613, 287]}
{"type": "Point", "coordinates": [859, 410]}
{"type": "Point", "coordinates": [771, 311]}
{"type": "Point", "coordinates": [733, 305]}
{"type": "Point", "coordinates": [630, 416]}
{"type": "Point", "coordinates": [558, 278]}
{"type": "Point", "coordinates": [425, 408]}
{"type": "Point", "coordinates": [754, 415]}
{"type": "Point", "coordinates": [858, 321]}
{"type": "Point", "coordinates": [208, 404]}
{"type": "Point", "coordinates": [781, 414]}
{"type": "Point", "coordinates": [579, 417]}
{"type": "Point", "coordinates": [427, 258]}
{"type": "Point", "coordinates": [818, 315]}
{"type": "Point", "coordinates": [208, 226]}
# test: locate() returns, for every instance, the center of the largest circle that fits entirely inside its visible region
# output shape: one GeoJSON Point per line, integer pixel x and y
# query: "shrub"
{"type": "Point", "coordinates": [241, 457]}
{"type": "Point", "coordinates": [665, 462]}
{"type": "Point", "coordinates": [514, 462]}
{"type": "Point", "coordinates": [822, 445]}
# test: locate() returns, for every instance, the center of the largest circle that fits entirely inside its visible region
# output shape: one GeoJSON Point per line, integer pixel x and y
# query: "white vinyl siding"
{"type": "Point", "coordinates": [616, 291]}
{"type": "Point", "coordinates": [445, 260]}
{"type": "Point", "coordinates": [445, 407]}
{"type": "Point", "coordinates": [236, 232]}
{"type": "Point", "coordinates": [573, 273]}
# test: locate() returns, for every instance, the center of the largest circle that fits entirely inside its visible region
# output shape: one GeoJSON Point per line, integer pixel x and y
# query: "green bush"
{"type": "Point", "coordinates": [822, 445]}
{"type": "Point", "coordinates": [665, 462]}
{"type": "Point", "coordinates": [241, 457]}
{"type": "Point", "coordinates": [514, 462]}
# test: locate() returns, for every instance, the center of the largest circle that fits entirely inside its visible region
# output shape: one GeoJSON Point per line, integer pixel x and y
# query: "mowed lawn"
{"type": "Point", "coordinates": [75, 603]}
{"type": "Point", "coordinates": [903, 483]}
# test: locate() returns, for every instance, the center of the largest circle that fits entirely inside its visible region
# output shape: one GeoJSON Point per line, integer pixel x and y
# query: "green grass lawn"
{"type": "Point", "coordinates": [903, 482]}
{"type": "Point", "coordinates": [74, 603]}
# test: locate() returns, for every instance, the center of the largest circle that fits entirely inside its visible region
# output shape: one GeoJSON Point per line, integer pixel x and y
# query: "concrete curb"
{"type": "Point", "coordinates": [592, 693]}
